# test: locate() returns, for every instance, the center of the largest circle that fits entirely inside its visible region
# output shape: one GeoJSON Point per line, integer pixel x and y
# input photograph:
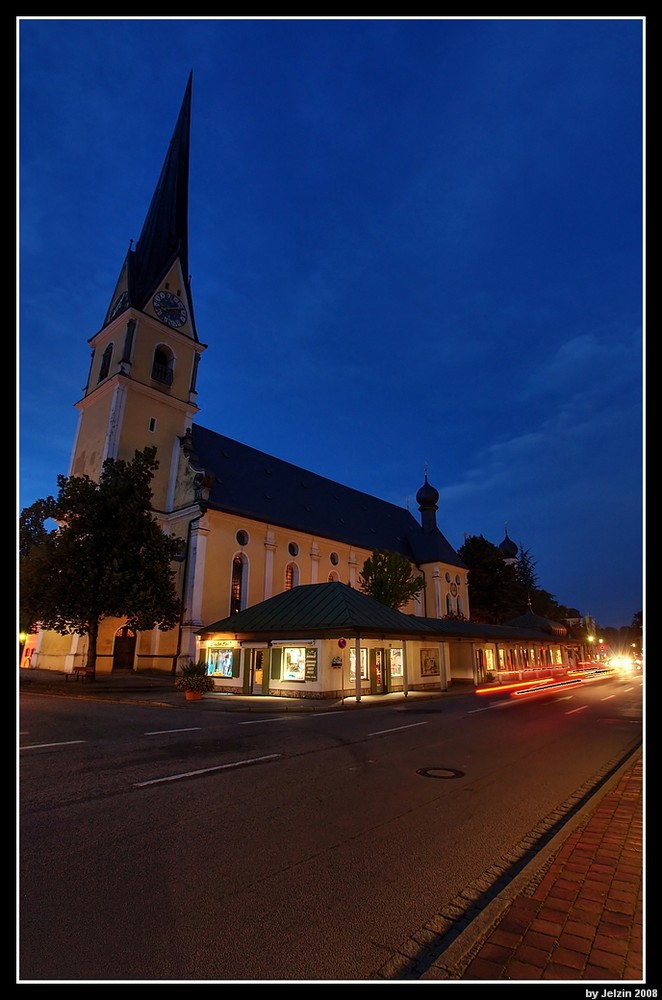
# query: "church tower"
{"type": "Point", "coordinates": [141, 392]}
{"type": "Point", "coordinates": [141, 388]}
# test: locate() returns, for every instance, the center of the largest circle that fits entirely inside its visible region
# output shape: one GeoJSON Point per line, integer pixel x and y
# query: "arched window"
{"type": "Point", "coordinates": [449, 604]}
{"type": "Point", "coordinates": [105, 363]}
{"type": "Point", "coordinates": [460, 609]}
{"type": "Point", "coordinates": [291, 576]}
{"type": "Point", "coordinates": [333, 577]}
{"type": "Point", "coordinates": [163, 365]}
{"type": "Point", "coordinates": [238, 586]}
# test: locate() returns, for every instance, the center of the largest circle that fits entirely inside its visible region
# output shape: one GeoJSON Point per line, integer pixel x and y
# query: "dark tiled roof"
{"type": "Point", "coordinates": [449, 628]}
{"type": "Point", "coordinates": [252, 484]}
{"type": "Point", "coordinates": [531, 620]}
{"type": "Point", "coordinates": [317, 608]}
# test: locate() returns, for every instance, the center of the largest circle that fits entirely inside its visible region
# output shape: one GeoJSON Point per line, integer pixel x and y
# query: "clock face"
{"type": "Point", "coordinates": [120, 305]}
{"type": "Point", "coordinates": [169, 309]}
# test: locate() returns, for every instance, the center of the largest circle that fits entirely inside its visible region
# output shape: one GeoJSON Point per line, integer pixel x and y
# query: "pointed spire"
{"type": "Point", "coordinates": [164, 234]}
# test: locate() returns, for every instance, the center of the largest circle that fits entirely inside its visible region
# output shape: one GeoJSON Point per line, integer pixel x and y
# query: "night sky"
{"type": "Point", "coordinates": [414, 243]}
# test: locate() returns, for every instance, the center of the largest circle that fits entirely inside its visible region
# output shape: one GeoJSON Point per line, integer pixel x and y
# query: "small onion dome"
{"type": "Point", "coordinates": [508, 548]}
{"type": "Point", "coordinates": [427, 496]}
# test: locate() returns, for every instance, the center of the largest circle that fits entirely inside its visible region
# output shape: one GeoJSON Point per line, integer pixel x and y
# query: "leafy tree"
{"type": "Point", "coordinates": [388, 578]}
{"type": "Point", "coordinates": [33, 540]}
{"type": "Point", "coordinates": [105, 558]}
{"type": "Point", "coordinates": [494, 593]}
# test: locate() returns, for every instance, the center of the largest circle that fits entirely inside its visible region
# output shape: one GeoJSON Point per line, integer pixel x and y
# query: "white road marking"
{"type": "Point", "coordinates": [39, 746]}
{"type": "Point", "coordinates": [381, 732]}
{"type": "Point", "coordinates": [166, 732]}
{"type": "Point", "coordinates": [259, 722]}
{"type": "Point", "coordinates": [206, 770]}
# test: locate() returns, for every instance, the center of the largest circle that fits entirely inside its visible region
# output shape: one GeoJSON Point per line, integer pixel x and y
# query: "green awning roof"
{"type": "Point", "coordinates": [319, 609]}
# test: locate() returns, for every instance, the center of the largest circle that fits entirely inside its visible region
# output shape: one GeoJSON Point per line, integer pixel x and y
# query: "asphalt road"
{"type": "Point", "coordinates": [178, 844]}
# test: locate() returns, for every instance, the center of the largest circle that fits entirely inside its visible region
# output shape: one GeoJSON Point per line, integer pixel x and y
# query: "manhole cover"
{"type": "Point", "coordinates": [439, 772]}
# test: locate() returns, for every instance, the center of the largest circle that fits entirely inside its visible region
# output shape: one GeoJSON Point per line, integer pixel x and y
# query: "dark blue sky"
{"type": "Point", "coordinates": [413, 243]}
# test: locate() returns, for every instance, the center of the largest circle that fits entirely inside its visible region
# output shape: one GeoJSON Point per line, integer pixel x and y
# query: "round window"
{"type": "Point", "coordinates": [334, 558]}
{"type": "Point", "coordinates": [457, 579]}
{"type": "Point", "coordinates": [242, 537]}
{"type": "Point", "coordinates": [448, 578]}
{"type": "Point", "coordinates": [293, 549]}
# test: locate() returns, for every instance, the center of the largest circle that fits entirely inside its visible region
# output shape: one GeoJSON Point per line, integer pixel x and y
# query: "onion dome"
{"type": "Point", "coordinates": [508, 548]}
{"type": "Point", "coordinates": [427, 496]}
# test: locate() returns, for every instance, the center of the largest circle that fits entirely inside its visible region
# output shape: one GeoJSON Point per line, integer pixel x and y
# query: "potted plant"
{"type": "Point", "coordinates": [194, 680]}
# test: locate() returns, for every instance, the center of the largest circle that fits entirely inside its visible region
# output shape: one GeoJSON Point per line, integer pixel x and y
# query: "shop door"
{"type": "Point", "coordinates": [377, 671]}
{"type": "Point", "coordinates": [257, 671]}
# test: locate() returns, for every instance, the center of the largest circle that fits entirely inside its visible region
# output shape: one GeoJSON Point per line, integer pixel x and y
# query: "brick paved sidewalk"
{"type": "Point", "coordinates": [584, 918]}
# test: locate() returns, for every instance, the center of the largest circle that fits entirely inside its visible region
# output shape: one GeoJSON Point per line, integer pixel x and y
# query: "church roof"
{"type": "Point", "coordinates": [508, 547]}
{"type": "Point", "coordinates": [164, 235]}
{"type": "Point", "coordinates": [315, 608]}
{"type": "Point", "coordinates": [253, 484]}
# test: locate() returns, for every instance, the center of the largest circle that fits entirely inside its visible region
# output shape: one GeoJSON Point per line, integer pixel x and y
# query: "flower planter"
{"type": "Point", "coordinates": [193, 695]}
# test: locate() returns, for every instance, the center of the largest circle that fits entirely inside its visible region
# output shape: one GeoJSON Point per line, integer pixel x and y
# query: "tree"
{"type": "Point", "coordinates": [105, 558]}
{"type": "Point", "coordinates": [387, 577]}
{"type": "Point", "coordinates": [494, 592]}
{"type": "Point", "coordinates": [527, 579]}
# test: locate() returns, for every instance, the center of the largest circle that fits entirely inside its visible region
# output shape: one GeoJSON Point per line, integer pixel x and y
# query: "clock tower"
{"type": "Point", "coordinates": [141, 388]}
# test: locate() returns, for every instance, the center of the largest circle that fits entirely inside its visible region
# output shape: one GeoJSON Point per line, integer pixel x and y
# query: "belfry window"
{"type": "Point", "coordinates": [163, 365]}
{"type": "Point", "coordinates": [105, 363]}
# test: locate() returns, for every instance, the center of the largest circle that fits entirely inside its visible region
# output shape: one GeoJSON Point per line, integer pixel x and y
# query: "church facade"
{"type": "Point", "coordinates": [254, 526]}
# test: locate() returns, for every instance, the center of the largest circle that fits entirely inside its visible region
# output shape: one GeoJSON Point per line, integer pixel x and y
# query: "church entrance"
{"type": "Point", "coordinates": [124, 649]}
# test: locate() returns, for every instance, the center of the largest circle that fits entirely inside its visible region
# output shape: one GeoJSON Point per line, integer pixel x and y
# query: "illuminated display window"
{"type": "Point", "coordinates": [220, 662]}
{"type": "Point", "coordinates": [429, 662]}
{"type": "Point", "coordinates": [364, 664]}
{"type": "Point", "coordinates": [396, 662]}
{"type": "Point", "coordinates": [294, 663]}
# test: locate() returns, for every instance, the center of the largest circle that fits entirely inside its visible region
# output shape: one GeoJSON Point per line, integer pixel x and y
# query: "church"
{"type": "Point", "coordinates": [256, 527]}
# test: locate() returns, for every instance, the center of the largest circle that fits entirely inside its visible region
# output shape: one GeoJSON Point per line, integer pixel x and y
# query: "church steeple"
{"type": "Point", "coordinates": [164, 234]}
{"type": "Point", "coordinates": [163, 240]}
{"type": "Point", "coordinates": [141, 387]}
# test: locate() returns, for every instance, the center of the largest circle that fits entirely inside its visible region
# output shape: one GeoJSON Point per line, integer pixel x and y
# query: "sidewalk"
{"type": "Point", "coordinates": [579, 915]}
{"type": "Point", "coordinates": [159, 689]}
{"type": "Point", "coordinates": [575, 913]}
